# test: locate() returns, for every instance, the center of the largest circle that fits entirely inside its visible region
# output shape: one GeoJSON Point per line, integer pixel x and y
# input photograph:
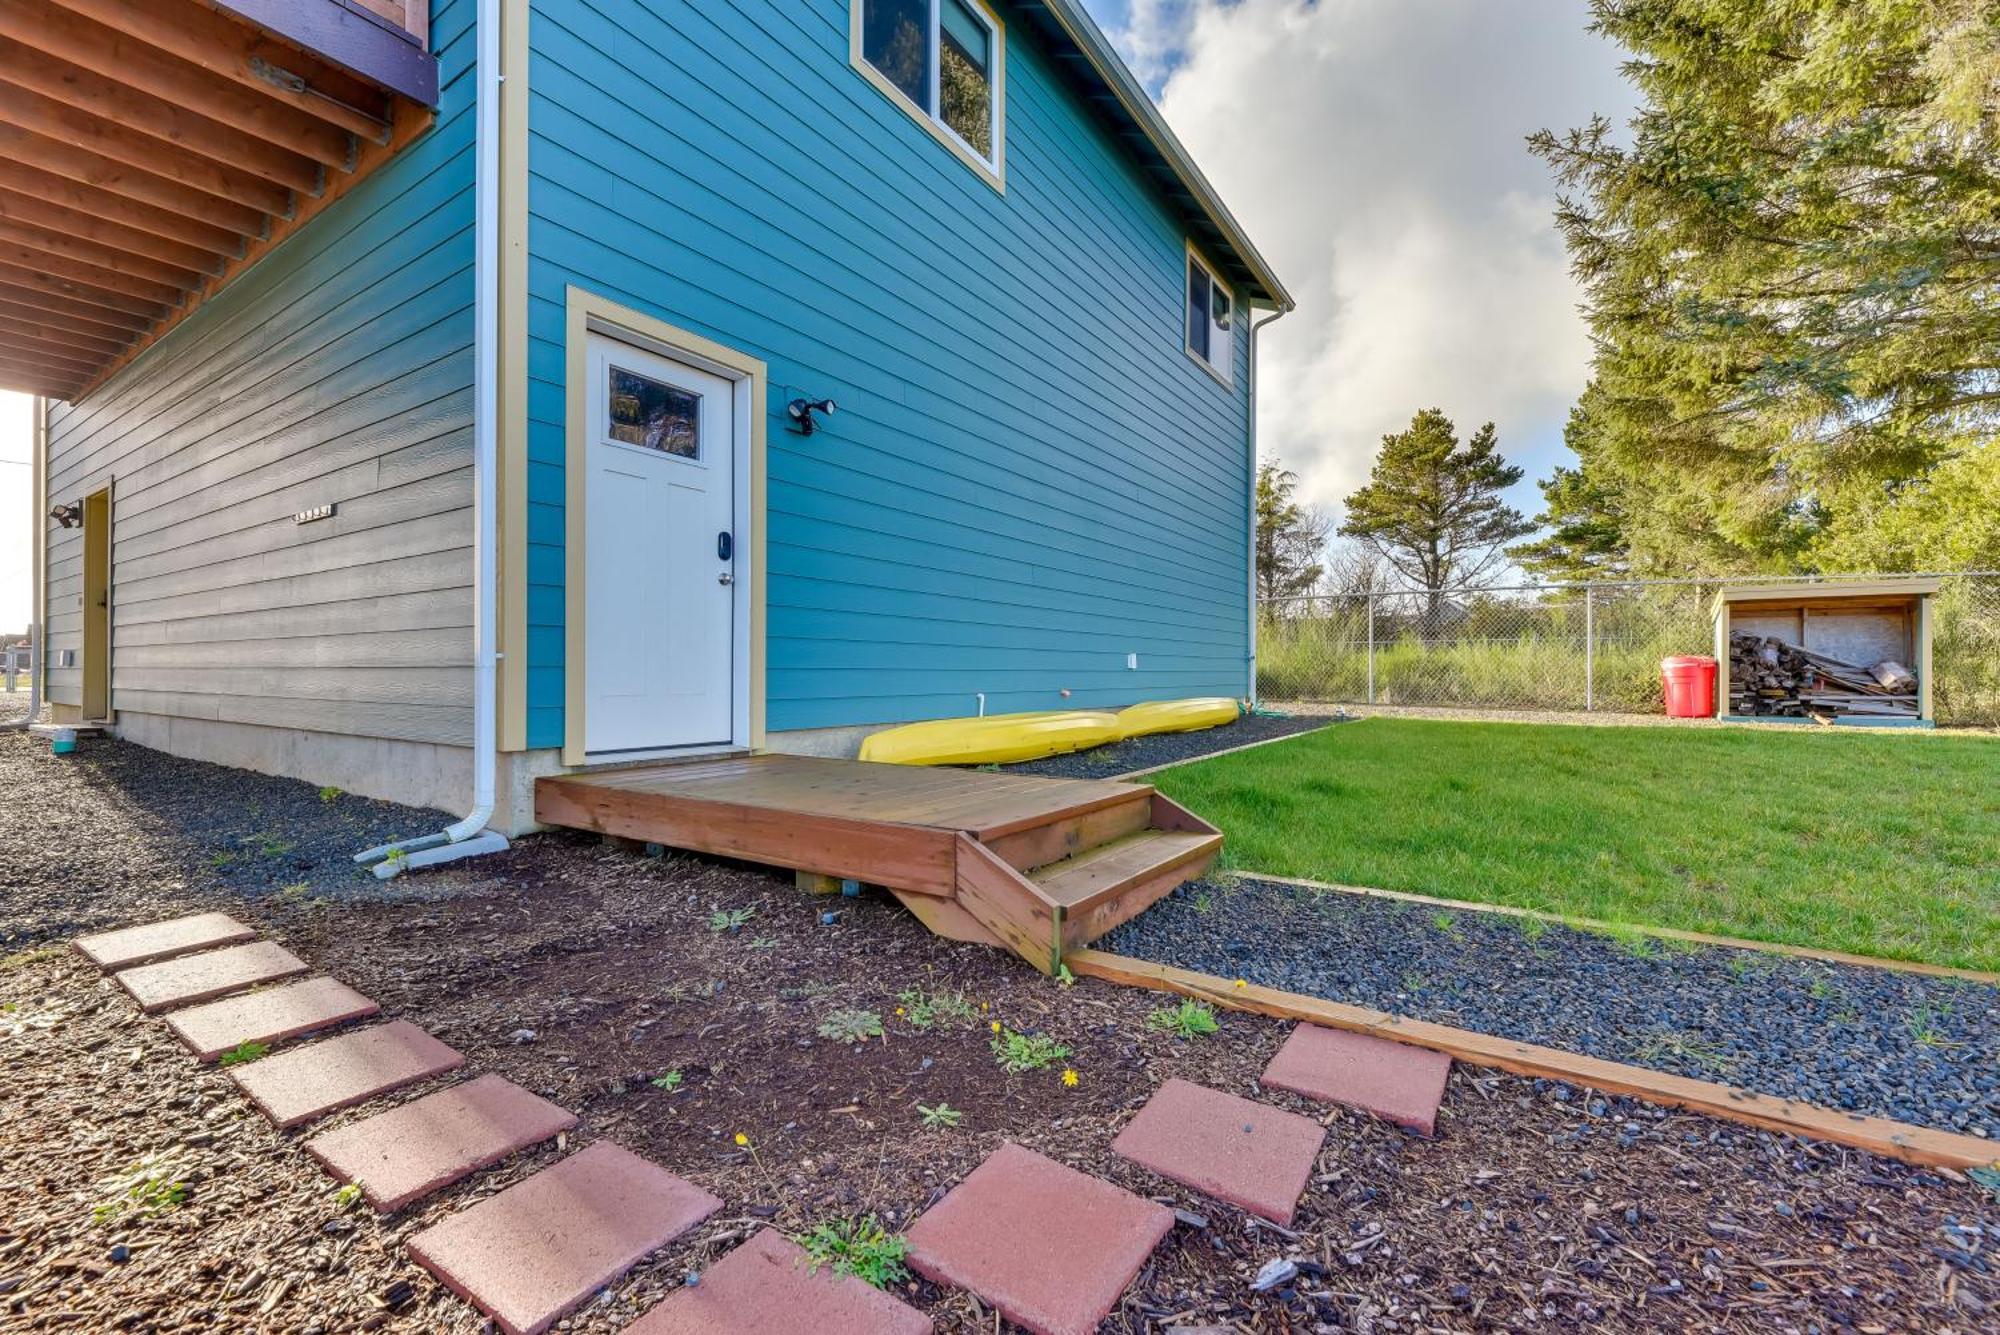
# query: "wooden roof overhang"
{"type": "Point", "coordinates": [152, 150]}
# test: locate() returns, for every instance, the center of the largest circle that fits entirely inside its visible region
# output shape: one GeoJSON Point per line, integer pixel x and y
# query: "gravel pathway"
{"type": "Point", "coordinates": [1166, 748]}
{"type": "Point", "coordinates": [1901, 1045]}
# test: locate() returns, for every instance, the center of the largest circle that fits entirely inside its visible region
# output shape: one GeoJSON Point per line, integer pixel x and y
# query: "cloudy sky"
{"type": "Point", "coordinates": [1373, 149]}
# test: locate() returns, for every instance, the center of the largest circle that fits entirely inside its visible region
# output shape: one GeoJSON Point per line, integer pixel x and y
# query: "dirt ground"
{"type": "Point", "coordinates": [587, 971]}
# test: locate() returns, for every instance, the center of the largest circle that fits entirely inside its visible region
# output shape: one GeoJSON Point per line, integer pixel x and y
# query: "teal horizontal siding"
{"type": "Point", "coordinates": [1027, 478]}
{"type": "Point", "coordinates": [338, 368]}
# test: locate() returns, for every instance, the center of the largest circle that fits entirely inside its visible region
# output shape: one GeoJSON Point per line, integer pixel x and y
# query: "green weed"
{"type": "Point", "coordinates": [861, 1248]}
{"type": "Point", "coordinates": [1190, 1019]}
{"type": "Point", "coordinates": [941, 1117]}
{"type": "Point", "coordinates": [1025, 1052]}
{"type": "Point", "coordinates": [670, 1082]}
{"type": "Point", "coordinates": [330, 794]}
{"type": "Point", "coordinates": [729, 920]}
{"type": "Point", "coordinates": [243, 1054]}
{"type": "Point", "coordinates": [347, 1197]}
{"type": "Point", "coordinates": [21, 959]}
{"type": "Point", "coordinates": [850, 1024]}
{"type": "Point", "coordinates": [1447, 923]}
{"type": "Point", "coordinates": [947, 1010]}
{"type": "Point", "coordinates": [1689, 1048]}
{"type": "Point", "coordinates": [154, 1186]}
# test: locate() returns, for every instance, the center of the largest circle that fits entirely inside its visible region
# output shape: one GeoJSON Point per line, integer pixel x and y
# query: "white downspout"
{"type": "Point", "coordinates": [1255, 325]}
{"type": "Point", "coordinates": [38, 524]}
{"type": "Point", "coordinates": [470, 836]}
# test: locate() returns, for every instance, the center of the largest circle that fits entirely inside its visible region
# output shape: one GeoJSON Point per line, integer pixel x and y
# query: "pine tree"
{"type": "Point", "coordinates": [1291, 537]}
{"type": "Point", "coordinates": [1432, 506]}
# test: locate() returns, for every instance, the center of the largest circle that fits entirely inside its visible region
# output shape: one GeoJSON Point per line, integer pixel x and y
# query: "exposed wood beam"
{"type": "Point", "coordinates": [20, 179]}
{"type": "Point", "coordinates": [29, 110]}
{"type": "Point", "coordinates": [24, 385]}
{"type": "Point", "coordinates": [225, 46]}
{"type": "Point", "coordinates": [24, 302]}
{"type": "Point", "coordinates": [147, 118]}
{"type": "Point", "coordinates": [411, 121]}
{"type": "Point", "coordinates": [57, 265]}
{"type": "Point", "coordinates": [58, 355]}
{"type": "Point", "coordinates": [25, 209]}
{"type": "Point", "coordinates": [36, 325]}
{"type": "Point", "coordinates": [32, 378]}
{"type": "Point", "coordinates": [114, 55]}
{"type": "Point", "coordinates": [60, 290]}
{"type": "Point", "coordinates": [106, 174]}
{"type": "Point", "coordinates": [103, 257]}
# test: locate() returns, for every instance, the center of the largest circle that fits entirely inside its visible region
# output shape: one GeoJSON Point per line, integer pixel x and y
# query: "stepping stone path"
{"type": "Point", "coordinates": [1394, 1081]}
{"type": "Point", "coordinates": [766, 1287]}
{"type": "Point", "coordinates": [162, 940]}
{"type": "Point", "coordinates": [1053, 1249]}
{"type": "Point", "coordinates": [268, 1015]}
{"type": "Point", "coordinates": [1248, 1154]}
{"type": "Point", "coordinates": [192, 978]}
{"type": "Point", "coordinates": [309, 1082]}
{"type": "Point", "coordinates": [434, 1141]}
{"type": "Point", "coordinates": [534, 1251]}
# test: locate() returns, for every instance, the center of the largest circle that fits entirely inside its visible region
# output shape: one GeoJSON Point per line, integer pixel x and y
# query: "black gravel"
{"type": "Point", "coordinates": [1166, 748]}
{"type": "Point", "coordinates": [1915, 1048]}
{"type": "Point", "coordinates": [111, 828]}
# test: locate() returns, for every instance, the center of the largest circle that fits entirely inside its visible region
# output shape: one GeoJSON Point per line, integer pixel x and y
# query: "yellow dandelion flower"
{"type": "Point", "coordinates": [996, 1026]}
{"type": "Point", "coordinates": [742, 1139]}
{"type": "Point", "coordinates": [899, 1010]}
{"type": "Point", "coordinates": [1243, 982]}
{"type": "Point", "coordinates": [1069, 1076]}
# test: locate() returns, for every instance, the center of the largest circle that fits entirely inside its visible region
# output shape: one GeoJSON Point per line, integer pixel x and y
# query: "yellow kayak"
{"type": "Point", "coordinates": [997, 739]}
{"type": "Point", "coordinates": [1176, 716]}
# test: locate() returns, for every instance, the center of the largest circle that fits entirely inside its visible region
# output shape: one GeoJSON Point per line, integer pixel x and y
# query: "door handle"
{"type": "Point", "coordinates": [725, 578]}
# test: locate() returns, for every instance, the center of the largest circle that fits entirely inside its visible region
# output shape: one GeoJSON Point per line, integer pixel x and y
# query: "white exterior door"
{"type": "Point", "coordinates": [659, 553]}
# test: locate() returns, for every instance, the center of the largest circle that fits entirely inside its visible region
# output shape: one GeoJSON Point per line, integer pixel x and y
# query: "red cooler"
{"type": "Point", "coordinates": [1689, 684]}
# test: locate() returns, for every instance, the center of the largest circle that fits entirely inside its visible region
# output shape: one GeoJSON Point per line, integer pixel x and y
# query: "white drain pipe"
{"type": "Point", "coordinates": [470, 837]}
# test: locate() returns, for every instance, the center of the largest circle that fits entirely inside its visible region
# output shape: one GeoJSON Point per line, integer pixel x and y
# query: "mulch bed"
{"type": "Point", "coordinates": [585, 971]}
{"type": "Point", "coordinates": [1904, 1045]}
{"type": "Point", "coordinates": [1167, 748]}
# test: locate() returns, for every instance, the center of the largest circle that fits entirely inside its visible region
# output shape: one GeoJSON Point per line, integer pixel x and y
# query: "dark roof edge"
{"type": "Point", "coordinates": [1110, 66]}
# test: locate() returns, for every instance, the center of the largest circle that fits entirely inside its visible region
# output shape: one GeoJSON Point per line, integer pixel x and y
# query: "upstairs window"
{"type": "Point", "coordinates": [1210, 313]}
{"type": "Point", "coordinates": [944, 61]}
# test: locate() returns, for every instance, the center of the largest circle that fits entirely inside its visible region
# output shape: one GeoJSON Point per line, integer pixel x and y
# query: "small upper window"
{"type": "Point", "coordinates": [1209, 315]}
{"type": "Point", "coordinates": [653, 414]}
{"type": "Point", "coordinates": [944, 58]}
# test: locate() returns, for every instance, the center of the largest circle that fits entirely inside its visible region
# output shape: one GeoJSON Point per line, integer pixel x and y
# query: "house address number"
{"type": "Point", "coordinates": [317, 512]}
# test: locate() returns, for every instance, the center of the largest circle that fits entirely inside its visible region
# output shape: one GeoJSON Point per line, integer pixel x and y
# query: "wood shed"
{"type": "Point", "coordinates": [1839, 651]}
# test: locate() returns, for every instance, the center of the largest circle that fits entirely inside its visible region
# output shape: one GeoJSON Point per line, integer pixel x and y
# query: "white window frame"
{"type": "Point", "coordinates": [1224, 370]}
{"type": "Point", "coordinates": [992, 170]}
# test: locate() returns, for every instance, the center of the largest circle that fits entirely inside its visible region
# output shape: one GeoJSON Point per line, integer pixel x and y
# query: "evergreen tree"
{"type": "Point", "coordinates": [1432, 507]}
{"type": "Point", "coordinates": [1291, 537]}
{"type": "Point", "coordinates": [1792, 273]}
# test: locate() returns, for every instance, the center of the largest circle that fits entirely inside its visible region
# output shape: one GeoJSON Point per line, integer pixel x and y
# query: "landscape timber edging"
{"type": "Point", "coordinates": [1878, 1135]}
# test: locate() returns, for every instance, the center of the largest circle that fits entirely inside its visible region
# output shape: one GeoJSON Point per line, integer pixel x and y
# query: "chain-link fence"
{"type": "Point", "coordinates": [1564, 646]}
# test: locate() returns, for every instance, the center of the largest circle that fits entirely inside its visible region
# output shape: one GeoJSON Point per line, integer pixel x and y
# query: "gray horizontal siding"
{"type": "Point", "coordinates": [337, 370]}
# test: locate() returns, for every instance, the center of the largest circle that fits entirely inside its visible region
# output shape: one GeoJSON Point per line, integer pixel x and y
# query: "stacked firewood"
{"type": "Point", "coordinates": [1768, 676]}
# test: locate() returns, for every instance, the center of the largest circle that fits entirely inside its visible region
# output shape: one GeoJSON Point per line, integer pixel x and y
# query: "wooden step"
{"type": "Point", "coordinates": [1067, 833]}
{"type": "Point", "coordinates": [1102, 887]}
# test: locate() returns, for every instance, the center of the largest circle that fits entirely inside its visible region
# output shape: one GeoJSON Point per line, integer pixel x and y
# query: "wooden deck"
{"type": "Point", "coordinates": [1037, 865]}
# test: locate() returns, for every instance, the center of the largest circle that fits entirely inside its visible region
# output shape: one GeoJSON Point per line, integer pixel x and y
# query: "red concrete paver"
{"type": "Point", "coordinates": [766, 1287]}
{"type": "Point", "coordinates": [534, 1251]}
{"type": "Point", "coordinates": [1052, 1248]}
{"type": "Point", "coordinates": [1396, 1081]}
{"type": "Point", "coordinates": [1249, 1154]}
{"type": "Point", "coordinates": [307, 1082]}
{"type": "Point", "coordinates": [129, 946]}
{"type": "Point", "coordinates": [433, 1141]}
{"type": "Point", "coordinates": [192, 978]}
{"type": "Point", "coordinates": [268, 1015]}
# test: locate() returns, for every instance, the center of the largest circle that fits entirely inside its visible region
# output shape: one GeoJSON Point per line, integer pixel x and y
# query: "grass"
{"type": "Point", "coordinates": [858, 1247]}
{"type": "Point", "coordinates": [1880, 844]}
{"type": "Point", "coordinates": [1190, 1019]}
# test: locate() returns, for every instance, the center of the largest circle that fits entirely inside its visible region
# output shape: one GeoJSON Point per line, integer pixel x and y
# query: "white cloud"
{"type": "Point", "coordinates": [1374, 150]}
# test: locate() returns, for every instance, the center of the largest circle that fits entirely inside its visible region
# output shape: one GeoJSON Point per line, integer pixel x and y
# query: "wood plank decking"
{"type": "Point", "coordinates": [1034, 864]}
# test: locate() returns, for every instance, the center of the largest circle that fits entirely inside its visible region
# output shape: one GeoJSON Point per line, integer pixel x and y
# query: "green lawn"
{"type": "Point", "coordinates": [1882, 845]}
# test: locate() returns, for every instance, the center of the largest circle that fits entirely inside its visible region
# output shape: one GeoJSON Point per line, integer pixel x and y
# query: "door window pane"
{"type": "Point", "coordinates": [965, 76]}
{"type": "Point", "coordinates": [654, 414]}
{"type": "Point", "coordinates": [895, 39]}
